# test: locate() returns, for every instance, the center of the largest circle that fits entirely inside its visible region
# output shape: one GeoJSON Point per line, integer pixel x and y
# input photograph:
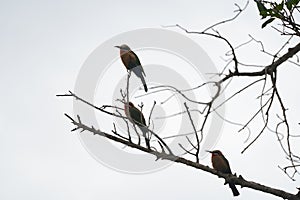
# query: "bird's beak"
{"type": "Point", "coordinates": [208, 151]}
{"type": "Point", "coordinates": [118, 47]}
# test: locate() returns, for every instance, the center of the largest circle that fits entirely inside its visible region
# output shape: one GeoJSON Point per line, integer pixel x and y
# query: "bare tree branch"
{"type": "Point", "coordinates": [171, 157]}
{"type": "Point", "coordinates": [197, 147]}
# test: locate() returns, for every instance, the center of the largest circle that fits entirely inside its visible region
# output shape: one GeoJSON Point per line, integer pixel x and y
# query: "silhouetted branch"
{"type": "Point", "coordinates": [171, 157]}
{"type": "Point", "coordinates": [149, 119]}
{"type": "Point", "coordinates": [71, 94]}
{"type": "Point", "coordinates": [231, 71]}
{"type": "Point", "coordinates": [197, 147]}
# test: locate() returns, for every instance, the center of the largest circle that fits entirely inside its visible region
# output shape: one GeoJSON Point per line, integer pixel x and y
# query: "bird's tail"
{"type": "Point", "coordinates": [234, 190]}
{"type": "Point", "coordinates": [145, 135]}
{"type": "Point", "coordinates": [144, 83]}
{"type": "Point", "coordinates": [147, 142]}
{"type": "Point", "coordinates": [139, 73]}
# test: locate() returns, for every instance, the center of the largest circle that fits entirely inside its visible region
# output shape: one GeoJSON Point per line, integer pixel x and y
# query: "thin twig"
{"type": "Point", "coordinates": [195, 131]}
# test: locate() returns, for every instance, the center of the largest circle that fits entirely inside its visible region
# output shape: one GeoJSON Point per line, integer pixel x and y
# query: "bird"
{"type": "Point", "coordinates": [132, 63]}
{"type": "Point", "coordinates": [220, 163]}
{"type": "Point", "coordinates": [137, 117]}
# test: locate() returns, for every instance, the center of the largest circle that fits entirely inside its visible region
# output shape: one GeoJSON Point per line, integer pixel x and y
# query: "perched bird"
{"type": "Point", "coordinates": [220, 163]}
{"type": "Point", "coordinates": [132, 63]}
{"type": "Point", "coordinates": [137, 117]}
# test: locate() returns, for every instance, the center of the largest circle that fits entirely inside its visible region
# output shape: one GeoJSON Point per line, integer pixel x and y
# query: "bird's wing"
{"type": "Point", "coordinates": [228, 169]}
{"type": "Point", "coordinates": [137, 116]}
{"type": "Point", "coordinates": [138, 71]}
{"type": "Point", "coordinates": [135, 57]}
{"type": "Point", "coordinates": [136, 61]}
{"type": "Point", "coordinates": [131, 60]}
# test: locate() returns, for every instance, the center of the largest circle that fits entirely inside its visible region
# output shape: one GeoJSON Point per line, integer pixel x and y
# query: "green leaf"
{"type": "Point", "coordinates": [267, 22]}
{"type": "Point", "coordinates": [291, 3]}
{"type": "Point", "coordinates": [263, 11]}
{"type": "Point", "coordinates": [275, 14]}
{"type": "Point", "coordinates": [279, 7]}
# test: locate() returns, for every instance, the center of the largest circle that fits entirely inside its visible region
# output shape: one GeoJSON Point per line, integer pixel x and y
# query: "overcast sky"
{"type": "Point", "coordinates": [43, 45]}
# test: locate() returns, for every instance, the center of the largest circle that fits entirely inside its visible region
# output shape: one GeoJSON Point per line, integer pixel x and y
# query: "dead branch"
{"type": "Point", "coordinates": [171, 157]}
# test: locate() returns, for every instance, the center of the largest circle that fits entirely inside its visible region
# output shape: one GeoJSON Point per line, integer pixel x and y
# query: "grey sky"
{"type": "Point", "coordinates": [44, 44]}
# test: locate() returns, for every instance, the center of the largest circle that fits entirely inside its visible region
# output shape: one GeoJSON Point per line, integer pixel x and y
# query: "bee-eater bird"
{"type": "Point", "coordinates": [132, 63]}
{"type": "Point", "coordinates": [137, 117]}
{"type": "Point", "coordinates": [220, 163]}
